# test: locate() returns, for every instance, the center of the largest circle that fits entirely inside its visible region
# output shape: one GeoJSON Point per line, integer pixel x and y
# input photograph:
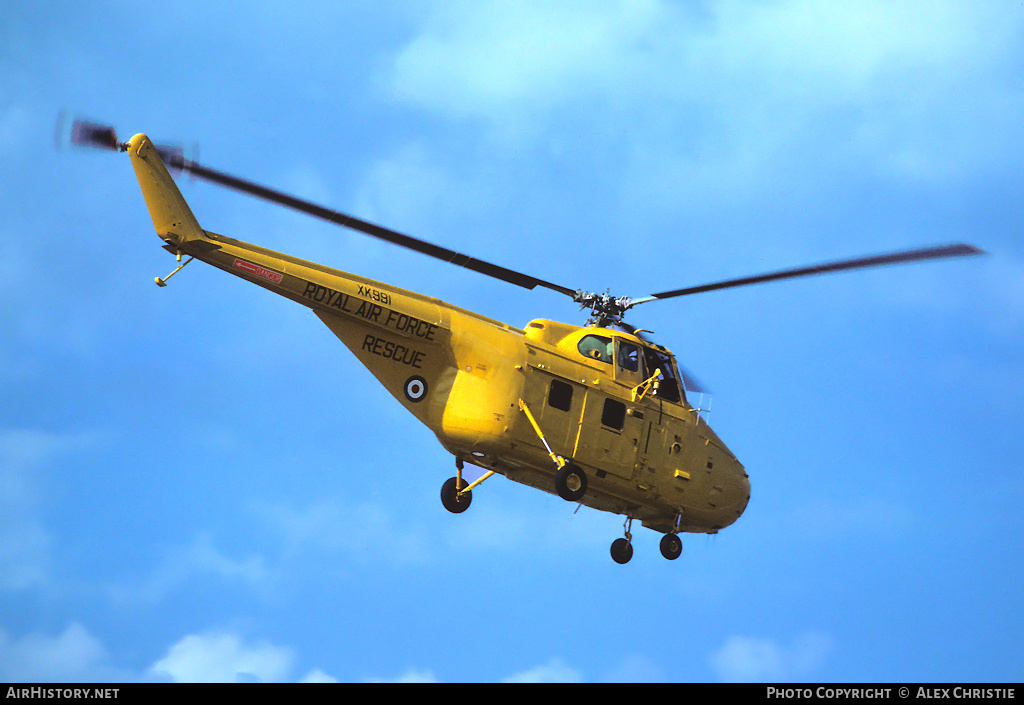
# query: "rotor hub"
{"type": "Point", "coordinates": [605, 308]}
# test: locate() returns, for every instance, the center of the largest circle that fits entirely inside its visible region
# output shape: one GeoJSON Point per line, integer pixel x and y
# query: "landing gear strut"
{"type": "Point", "coordinates": [570, 480]}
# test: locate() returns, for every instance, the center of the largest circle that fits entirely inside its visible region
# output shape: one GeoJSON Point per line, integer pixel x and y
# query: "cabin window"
{"type": "Point", "coordinates": [614, 414]}
{"type": "Point", "coordinates": [560, 395]}
{"type": "Point", "coordinates": [596, 347]}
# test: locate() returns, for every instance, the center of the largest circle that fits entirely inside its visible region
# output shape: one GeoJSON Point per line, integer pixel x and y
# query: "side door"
{"type": "Point", "coordinates": [613, 426]}
{"type": "Point", "coordinates": [665, 408]}
{"type": "Point", "coordinates": [555, 397]}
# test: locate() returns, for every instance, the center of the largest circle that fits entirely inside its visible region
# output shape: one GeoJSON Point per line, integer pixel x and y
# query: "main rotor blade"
{"type": "Point", "coordinates": [927, 253]}
{"type": "Point", "coordinates": [377, 231]}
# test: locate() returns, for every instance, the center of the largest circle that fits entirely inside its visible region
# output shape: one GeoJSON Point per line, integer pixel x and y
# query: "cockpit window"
{"type": "Point", "coordinates": [668, 386]}
{"type": "Point", "coordinates": [596, 347]}
{"type": "Point", "coordinates": [629, 356]}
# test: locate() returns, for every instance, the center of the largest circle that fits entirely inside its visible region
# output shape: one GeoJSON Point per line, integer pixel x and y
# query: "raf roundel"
{"type": "Point", "coordinates": [415, 388]}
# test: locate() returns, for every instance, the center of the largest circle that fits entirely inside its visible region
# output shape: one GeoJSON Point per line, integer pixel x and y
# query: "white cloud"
{"type": "Point", "coordinates": [375, 531]}
{"type": "Point", "coordinates": [512, 61]}
{"type": "Point", "coordinates": [746, 82]}
{"type": "Point", "coordinates": [484, 59]}
{"type": "Point", "coordinates": [204, 557]}
{"type": "Point", "coordinates": [410, 676]}
{"type": "Point", "coordinates": [407, 190]}
{"type": "Point", "coordinates": [24, 540]}
{"type": "Point", "coordinates": [744, 659]}
{"type": "Point", "coordinates": [222, 657]}
{"type": "Point", "coordinates": [330, 526]}
{"type": "Point", "coordinates": [199, 558]}
{"type": "Point", "coordinates": [74, 655]}
{"type": "Point", "coordinates": [318, 676]}
{"type": "Point", "coordinates": [841, 49]}
{"type": "Point", "coordinates": [635, 669]}
{"type": "Point", "coordinates": [554, 671]}
{"type": "Point", "coordinates": [747, 659]}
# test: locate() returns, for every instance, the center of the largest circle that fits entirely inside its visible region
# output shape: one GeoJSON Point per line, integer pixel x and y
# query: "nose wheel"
{"type": "Point", "coordinates": [622, 549]}
{"type": "Point", "coordinates": [671, 546]}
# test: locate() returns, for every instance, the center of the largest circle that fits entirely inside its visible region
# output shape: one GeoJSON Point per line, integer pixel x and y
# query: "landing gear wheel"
{"type": "Point", "coordinates": [622, 551]}
{"type": "Point", "coordinates": [450, 497]}
{"type": "Point", "coordinates": [671, 546]}
{"type": "Point", "coordinates": [571, 482]}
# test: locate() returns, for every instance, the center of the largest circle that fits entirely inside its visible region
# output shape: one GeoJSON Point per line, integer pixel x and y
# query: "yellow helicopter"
{"type": "Point", "coordinates": [597, 414]}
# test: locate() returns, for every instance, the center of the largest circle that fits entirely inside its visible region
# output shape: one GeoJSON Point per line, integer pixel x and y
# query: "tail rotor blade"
{"type": "Point", "coordinates": [91, 134]}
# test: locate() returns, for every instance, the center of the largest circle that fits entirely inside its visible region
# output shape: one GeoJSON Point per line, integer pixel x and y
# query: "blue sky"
{"type": "Point", "coordinates": [201, 483]}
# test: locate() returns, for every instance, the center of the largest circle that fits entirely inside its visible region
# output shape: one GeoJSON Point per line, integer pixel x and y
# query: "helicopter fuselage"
{"type": "Point", "coordinates": [605, 400]}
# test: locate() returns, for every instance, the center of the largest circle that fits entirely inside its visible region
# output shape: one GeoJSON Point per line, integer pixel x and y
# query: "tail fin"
{"type": "Point", "coordinates": [171, 215]}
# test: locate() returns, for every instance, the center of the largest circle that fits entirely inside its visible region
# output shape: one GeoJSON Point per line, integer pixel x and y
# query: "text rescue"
{"type": "Point", "coordinates": [386, 317]}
